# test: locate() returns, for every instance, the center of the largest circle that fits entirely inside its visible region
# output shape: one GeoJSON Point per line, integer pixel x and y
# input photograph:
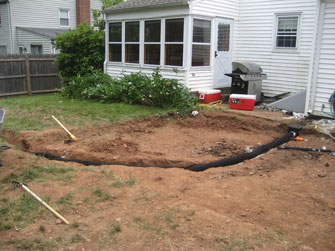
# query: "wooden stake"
{"type": "Point", "coordinates": [45, 204]}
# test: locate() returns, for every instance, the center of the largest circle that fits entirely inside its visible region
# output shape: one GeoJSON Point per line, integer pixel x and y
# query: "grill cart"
{"type": "Point", "coordinates": [247, 79]}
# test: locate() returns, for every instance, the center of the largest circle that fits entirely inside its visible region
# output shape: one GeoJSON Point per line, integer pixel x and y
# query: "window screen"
{"type": "Point", "coordinates": [223, 37]}
{"type": "Point", "coordinates": [152, 39]}
{"type": "Point", "coordinates": [3, 50]}
{"type": "Point", "coordinates": [174, 37]}
{"type": "Point", "coordinates": [132, 43]}
{"type": "Point", "coordinates": [36, 49]}
{"type": "Point", "coordinates": [115, 42]}
{"type": "Point", "coordinates": [201, 42]}
{"type": "Point", "coordinates": [287, 32]}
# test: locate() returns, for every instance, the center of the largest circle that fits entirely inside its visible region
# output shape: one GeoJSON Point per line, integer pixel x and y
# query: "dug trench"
{"type": "Point", "coordinates": [156, 141]}
{"type": "Point", "coordinates": [281, 200]}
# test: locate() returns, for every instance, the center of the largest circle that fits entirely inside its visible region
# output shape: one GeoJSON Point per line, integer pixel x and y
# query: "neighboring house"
{"type": "Point", "coordinates": [32, 25]}
{"type": "Point", "coordinates": [196, 41]}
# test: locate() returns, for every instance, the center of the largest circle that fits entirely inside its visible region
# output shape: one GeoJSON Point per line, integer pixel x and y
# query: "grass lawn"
{"type": "Point", "coordinates": [34, 112]}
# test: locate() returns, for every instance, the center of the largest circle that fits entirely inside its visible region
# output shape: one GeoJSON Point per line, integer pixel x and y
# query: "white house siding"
{"type": "Point", "coordinates": [287, 70]}
{"type": "Point", "coordinates": [326, 68]}
{"type": "Point", "coordinates": [203, 79]}
{"type": "Point", "coordinates": [115, 70]}
{"type": "Point", "coordinates": [95, 5]}
{"type": "Point", "coordinates": [4, 27]}
{"type": "Point", "coordinates": [26, 39]}
{"type": "Point", "coordinates": [200, 79]}
{"type": "Point", "coordinates": [40, 14]}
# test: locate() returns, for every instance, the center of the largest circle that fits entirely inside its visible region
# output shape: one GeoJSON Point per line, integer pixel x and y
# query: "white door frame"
{"type": "Point", "coordinates": [222, 62]}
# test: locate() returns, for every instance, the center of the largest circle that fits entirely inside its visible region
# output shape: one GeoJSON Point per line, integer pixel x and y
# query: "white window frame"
{"type": "Point", "coordinates": [68, 17]}
{"type": "Point", "coordinates": [153, 43]}
{"type": "Point", "coordinates": [124, 43]}
{"type": "Point", "coordinates": [121, 42]}
{"type": "Point", "coordinates": [275, 35]}
{"type": "Point", "coordinates": [142, 43]}
{"type": "Point", "coordinates": [178, 43]}
{"type": "Point", "coordinates": [196, 43]}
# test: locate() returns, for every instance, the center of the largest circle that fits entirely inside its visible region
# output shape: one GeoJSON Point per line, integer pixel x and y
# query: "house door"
{"type": "Point", "coordinates": [223, 52]}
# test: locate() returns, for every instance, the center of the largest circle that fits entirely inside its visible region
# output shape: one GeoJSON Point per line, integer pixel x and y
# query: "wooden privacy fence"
{"type": "Point", "coordinates": [28, 74]}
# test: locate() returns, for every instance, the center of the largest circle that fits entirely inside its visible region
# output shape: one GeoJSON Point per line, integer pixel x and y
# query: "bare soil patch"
{"type": "Point", "coordinates": [281, 200]}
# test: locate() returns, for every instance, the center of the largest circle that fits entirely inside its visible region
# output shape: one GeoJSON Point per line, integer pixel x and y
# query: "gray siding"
{"type": "Point", "coordinates": [26, 39]}
{"type": "Point", "coordinates": [325, 70]}
{"type": "Point", "coordinates": [287, 69]}
{"type": "Point", "coordinates": [40, 14]}
{"type": "Point", "coordinates": [4, 27]}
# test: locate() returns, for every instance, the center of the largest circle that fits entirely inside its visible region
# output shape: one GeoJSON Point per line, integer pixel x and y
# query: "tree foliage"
{"type": "Point", "coordinates": [82, 50]}
{"type": "Point", "coordinates": [108, 3]}
{"type": "Point", "coordinates": [98, 20]}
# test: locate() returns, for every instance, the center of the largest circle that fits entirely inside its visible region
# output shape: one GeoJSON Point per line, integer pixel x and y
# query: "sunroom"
{"type": "Point", "coordinates": [142, 35]}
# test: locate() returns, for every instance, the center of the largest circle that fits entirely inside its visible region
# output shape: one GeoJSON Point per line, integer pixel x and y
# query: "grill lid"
{"type": "Point", "coordinates": [246, 67]}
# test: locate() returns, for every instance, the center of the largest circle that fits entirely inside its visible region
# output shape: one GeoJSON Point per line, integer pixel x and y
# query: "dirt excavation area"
{"type": "Point", "coordinates": [280, 200]}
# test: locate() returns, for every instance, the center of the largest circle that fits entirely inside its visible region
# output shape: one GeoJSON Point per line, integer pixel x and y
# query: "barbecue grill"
{"type": "Point", "coordinates": [247, 79]}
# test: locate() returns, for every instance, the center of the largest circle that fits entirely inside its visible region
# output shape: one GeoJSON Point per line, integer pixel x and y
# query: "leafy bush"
{"type": "Point", "coordinates": [81, 52]}
{"type": "Point", "coordinates": [136, 88]}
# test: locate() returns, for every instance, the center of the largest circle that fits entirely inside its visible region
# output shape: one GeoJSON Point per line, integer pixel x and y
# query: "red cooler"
{"type": "Point", "coordinates": [242, 102]}
{"type": "Point", "coordinates": [209, 96]}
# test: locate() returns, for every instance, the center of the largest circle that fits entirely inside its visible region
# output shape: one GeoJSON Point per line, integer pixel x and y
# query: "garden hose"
{"type": "Point", "coordinates": [332, 106]}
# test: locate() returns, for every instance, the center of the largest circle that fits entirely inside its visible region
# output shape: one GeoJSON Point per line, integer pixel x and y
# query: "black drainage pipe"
{"type": "Point", "coordinates": [243, 156]}
{"type": "Point", "coordinates": [197, 167]}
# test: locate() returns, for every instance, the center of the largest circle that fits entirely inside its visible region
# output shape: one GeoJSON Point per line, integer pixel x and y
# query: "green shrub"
{"type": "Point", "coordinates": [136, 88]}
{"type": "Point", "coordinates": [82, 50]}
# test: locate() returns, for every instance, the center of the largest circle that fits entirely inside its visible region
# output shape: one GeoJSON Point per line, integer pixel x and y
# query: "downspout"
{"type": "Point", "coordinates": [314, 59]}
{"type": "Point", "coordinates": [318, 49]}
{"type": "Point", "coordinates": [10, 28]}
{"type": "Point", "coordinates": [106, 44]}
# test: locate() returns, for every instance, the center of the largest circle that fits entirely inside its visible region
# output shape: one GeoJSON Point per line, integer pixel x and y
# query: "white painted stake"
{"type": "Point", "coordinates": [45, 204]}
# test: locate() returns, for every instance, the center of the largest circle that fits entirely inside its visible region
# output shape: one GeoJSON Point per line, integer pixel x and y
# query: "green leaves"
{"type": "Point", "coordinates": [136, 88]}
{"type": "Point", "coordinates": [82, 50]}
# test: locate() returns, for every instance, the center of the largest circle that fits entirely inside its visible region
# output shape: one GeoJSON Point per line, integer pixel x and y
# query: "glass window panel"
{"type": "Point", "coordinates": [64, 22]}
{"type": "Point", "coordinates": [115, 32]}
{"type": "Point", "coordinates": [287, 23]}
{"type": "Point", "coordinates": [64, 14]}
{"type": "Point", "coordinates": [132, 31]}
{"type": "Point", "coordinates": [132, 53]}
{"type": "Point", "coordinates": [152, 31]}
{"type": "Point", "coordinates": [36, 49]}
{"type": "Point", "coordinates": [3, 50]}
{"type": "Point", "coordinates": [174, 30]}
{"type": "Point", "coordinates": [152, 54]}
{"type": "Point", "coordinates": [200, 55]}
{"type": "Point", "coordinates": [223, 37]}
{"type": "Point", "coordinates": [174, 54]}
{"type": "Point", "coordinates": [115, 52]}
{"type": "Point", "coordinates": [287, 32]}
{"type": "Point", "coordinates": [201, 31]}
{"type": "Point", "coordinates": [288, 41]}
